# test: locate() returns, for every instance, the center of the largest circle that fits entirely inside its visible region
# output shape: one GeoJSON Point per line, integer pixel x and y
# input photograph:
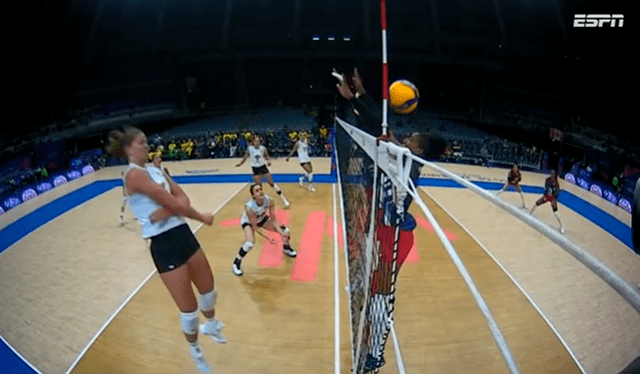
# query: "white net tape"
{"type": "Point", "coordinates": [396, 161]}
{"type": "Point", "coordinates": [624, 289]}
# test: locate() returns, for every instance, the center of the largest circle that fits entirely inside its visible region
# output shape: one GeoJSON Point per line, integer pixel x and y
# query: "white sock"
{"type": "Point", "coordinates": [558, 218]}
{"type": "Point", "coordinates": [522, 197]}
{"type": "Point", "coordinates": [310, 177]}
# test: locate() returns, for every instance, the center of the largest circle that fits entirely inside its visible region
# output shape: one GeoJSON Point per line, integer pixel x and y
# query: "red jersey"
{"type": "Point", "coordinates": [551, 187]}
{"type": "Point", "coordinates": [386, 236]}
{"type": "Point", "coordinates": [514, 177]}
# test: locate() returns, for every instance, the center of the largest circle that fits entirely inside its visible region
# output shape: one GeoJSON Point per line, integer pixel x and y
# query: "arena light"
{"type": "Point", "coordinates": [346, 38]}
{"type": "Point", "coordinates": [331, 38]}
{"type": "Point", "coordinates": [315, 38]}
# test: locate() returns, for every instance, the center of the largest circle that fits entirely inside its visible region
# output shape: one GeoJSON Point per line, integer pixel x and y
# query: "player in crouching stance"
{"type": "Point", "coordinates": [255, 218]}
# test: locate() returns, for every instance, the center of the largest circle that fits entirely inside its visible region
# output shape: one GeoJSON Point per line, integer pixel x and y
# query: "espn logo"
{"type": "Point", "coordinates": [598, 20]}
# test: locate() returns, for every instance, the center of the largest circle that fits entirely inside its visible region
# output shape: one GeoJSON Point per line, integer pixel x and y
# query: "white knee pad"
{"type": "Point", "coordinates": [208, 300]}
{"type": "Point", "coordinates": [247, 246]}
{"type": "Point", "coordinates": [189, 322]}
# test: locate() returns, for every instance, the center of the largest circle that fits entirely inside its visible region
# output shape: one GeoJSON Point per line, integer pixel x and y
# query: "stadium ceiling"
{"type": "Point", "coordinates": [485, 33]}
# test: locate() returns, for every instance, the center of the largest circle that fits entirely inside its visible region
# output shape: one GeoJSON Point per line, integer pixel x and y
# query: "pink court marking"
{"type": "Point", "coordinates": [413, 256]}
{"type": "Point", "coordinates": [305, 268]}
{"type": "Point", "coordinates": [230, 222]}
{"type": "Point", "coordinates": [271, 254]}
{"type": "Point", "coordinates": [424, 223]}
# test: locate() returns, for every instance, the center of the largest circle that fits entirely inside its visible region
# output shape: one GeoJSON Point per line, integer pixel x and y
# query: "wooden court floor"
{"type": "Point", "coordinates": [80, 294]}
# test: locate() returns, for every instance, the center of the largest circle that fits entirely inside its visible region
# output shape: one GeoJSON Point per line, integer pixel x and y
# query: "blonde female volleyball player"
{"type": "Point", "coordinates": [259, 157]}
{"type": "Point", "coordinates": [513, 179]}
{"type": "Point", "coordinates": [551, 191]}
{"type": "Point", "coordinates": [302, 146]}
{"type": "Point", "coordinates": [160, 205]}
{"type": "Point", "coordinates": [254, 218]}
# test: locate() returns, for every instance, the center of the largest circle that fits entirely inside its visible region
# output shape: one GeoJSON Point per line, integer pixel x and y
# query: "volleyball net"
{"type": "Point", "coordinates": [375, 186]}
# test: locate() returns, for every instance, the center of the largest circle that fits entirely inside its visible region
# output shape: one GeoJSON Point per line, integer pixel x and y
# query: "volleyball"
{"type": "Point", "coordinates": [403, 96]}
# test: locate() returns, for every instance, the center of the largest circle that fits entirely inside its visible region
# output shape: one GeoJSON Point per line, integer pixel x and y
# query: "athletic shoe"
{"type": "Point", "coordinates": [561, 230]}
{"type": "Point", "coordinates": [121, 220]}
{"type": "Point", "coordinates": [285, 203]}
{"type": "Point", "coordinates": [371, 363]}
{"type": "Point", "coordinates": [198, 358]}
{"type": "Point", "coordinates": [301, 181]}
{"type": "Point", "coordinates": [214, 330]}
{"type": "Point", "coordinates": [290, 252]}
{"type": "Point", "coordinates": [311, 188]}
{"type": "Point", "coordinates": [236, 269]}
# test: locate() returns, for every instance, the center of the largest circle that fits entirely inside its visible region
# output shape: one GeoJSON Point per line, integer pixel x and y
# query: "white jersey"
{"type": "Point", "coordinates": [157, 174]}
{"type": "Point", "coordinates": [257, 155]}
{"type": "Point", "coordinates": [303, 152]}
{"type": "Point", "coordinates": [259, 210]}
{"type": "Point", "coordinates": [143, 206]}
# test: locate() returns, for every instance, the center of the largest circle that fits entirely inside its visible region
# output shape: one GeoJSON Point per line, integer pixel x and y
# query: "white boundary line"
{"type": "Point", "coordinates": [336, 294]}
{"type": "Point", "coordinates": [396, 348]}
{"type": "Point", "coordinates": [482, 305]}
{"type": "Point", "coordinates": [20, 356]}
{"type": "Point", "coordinates": [29, 234]}
{"type": "Point", "coordinates": [124, 303]}
{"type": "Point", "coordinates": [346, 259]}
{"type": "Point", "coordinates": [510, 277]}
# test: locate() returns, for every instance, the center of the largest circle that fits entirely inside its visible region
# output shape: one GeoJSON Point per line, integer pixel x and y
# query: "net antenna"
{"type": "Point", "coordinates": [385, 67]}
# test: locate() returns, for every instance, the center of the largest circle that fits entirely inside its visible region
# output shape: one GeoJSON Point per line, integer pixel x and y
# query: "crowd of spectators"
{"type": "Point", "coordinates": [227, 144]}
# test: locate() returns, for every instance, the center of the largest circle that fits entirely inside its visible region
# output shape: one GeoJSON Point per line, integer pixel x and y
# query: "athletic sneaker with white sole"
{"type": "Point", "coordinates": [214, 330]}
{"type": "Point", "coordinates": [236, 268]}
{"type": "Point", "coordinates": [198, 358]}
{"type": "Point", "coordinates": [290, 252]}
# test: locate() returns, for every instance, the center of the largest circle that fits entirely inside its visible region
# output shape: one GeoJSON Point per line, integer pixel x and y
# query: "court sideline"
{"type": "Point", "coordinates": [97, 253]}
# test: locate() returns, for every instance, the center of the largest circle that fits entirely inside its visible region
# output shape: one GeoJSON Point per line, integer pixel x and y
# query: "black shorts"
{"type": "Point", "coordinates": [260, 170]}
{"type": "Point", "coordinates": [305, 163]}
{"type": "Point", "coordinates": [173, 248]}
{"type": "Point", "coordinates": [260, 224]}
